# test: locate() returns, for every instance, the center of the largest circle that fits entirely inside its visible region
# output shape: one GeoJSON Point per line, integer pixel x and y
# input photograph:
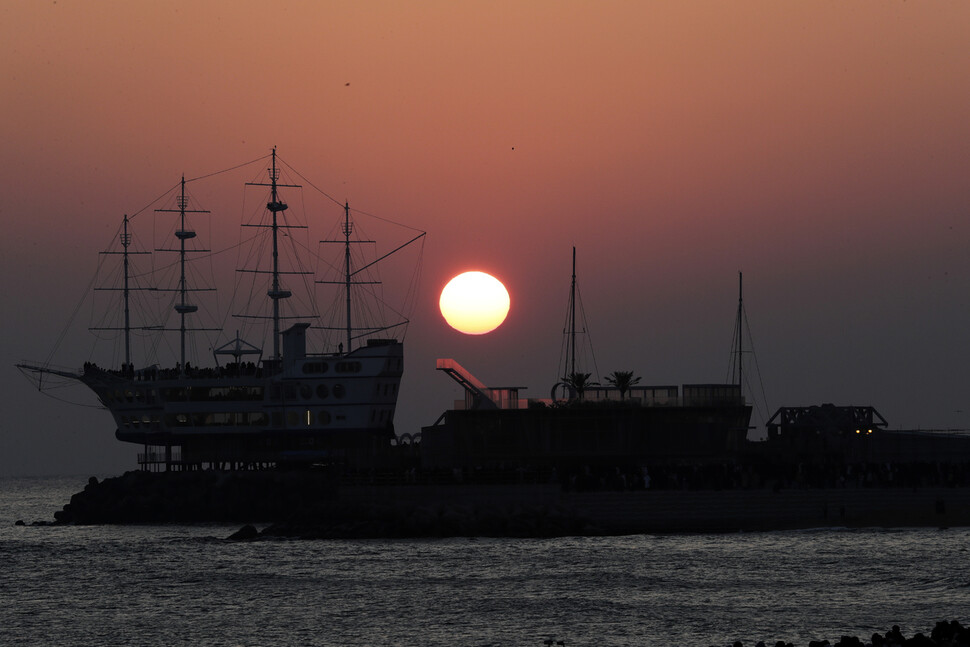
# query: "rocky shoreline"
{"type": "Point", "coordinates": [305, 505]}
{"type": "Point", "coordinates": [945, 634]}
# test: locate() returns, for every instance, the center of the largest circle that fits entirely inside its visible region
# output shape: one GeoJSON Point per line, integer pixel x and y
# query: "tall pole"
{"type": "Point", "coordinates": [572, 322]}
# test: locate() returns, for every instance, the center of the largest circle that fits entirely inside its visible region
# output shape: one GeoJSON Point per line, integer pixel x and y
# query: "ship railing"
{"type": "Point", "coordinates": [469, 403]}
{"type": "Point", "coordinates": [645, 396]}
{"type": "Point", "coordinates": [160, 457]}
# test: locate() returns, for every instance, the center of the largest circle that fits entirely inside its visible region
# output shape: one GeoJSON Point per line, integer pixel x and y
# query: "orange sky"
{"type": "Point", "coordinates": [822, 148]}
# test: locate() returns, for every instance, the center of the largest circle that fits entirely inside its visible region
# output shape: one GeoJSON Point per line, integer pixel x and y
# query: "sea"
{"type": "Point", "coordinates": [189, 585]}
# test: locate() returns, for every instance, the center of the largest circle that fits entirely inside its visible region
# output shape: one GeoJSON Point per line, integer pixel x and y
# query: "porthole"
{"type": "Point", "coordinates": [315, 367]}
{"type": "Point", "coordinates": [292, 419]}
{"type": "Point", "coordinates": [323, 418]}
{"type": "Point", "coordinates": [306, 392]}
{"type": "Point", "coordinates": [322, 391]}
{"type": "Point", "coordinates": [348, 367]}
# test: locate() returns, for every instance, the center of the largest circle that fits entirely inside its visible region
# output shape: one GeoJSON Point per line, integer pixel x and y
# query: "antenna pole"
{"type": "Point", "coordinates": [572, 316]}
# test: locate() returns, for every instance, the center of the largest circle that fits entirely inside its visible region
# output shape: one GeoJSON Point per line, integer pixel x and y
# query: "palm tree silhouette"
{"type": "Point", "coordinates": [622, 381]}
{"type": "Point", "coordinates": [579, 382]}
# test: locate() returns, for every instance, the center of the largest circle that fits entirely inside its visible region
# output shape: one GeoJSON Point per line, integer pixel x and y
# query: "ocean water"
{"type": "Point", "coordinates": [185, 584]}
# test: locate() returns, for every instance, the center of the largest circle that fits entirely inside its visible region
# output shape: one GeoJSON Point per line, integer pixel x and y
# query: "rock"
{"type": "Point", "coordinates": [245, 533]}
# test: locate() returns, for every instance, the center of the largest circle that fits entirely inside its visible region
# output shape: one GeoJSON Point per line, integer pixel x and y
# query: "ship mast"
{"type": "Point", "coordinates": [183, 307]}
{"type": "Point", "coordinates": [276, 291]}
{"type": "Point", "coordinates": [348, 279]}
{"type": "Point", "coordinates": [276, 206]}
{"type": "Point", "coordinates": [125, 239]}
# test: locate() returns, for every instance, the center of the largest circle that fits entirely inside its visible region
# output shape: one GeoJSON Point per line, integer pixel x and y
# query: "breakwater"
{"type": "Point", "coordinates": [944, 634]}
{"type": "Point", "coordinates": [316, 504]}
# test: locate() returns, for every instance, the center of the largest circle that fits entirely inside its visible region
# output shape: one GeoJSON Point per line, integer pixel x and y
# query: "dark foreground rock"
{"type": "Point", "coordinates": [245, 533]}
{"type": "Point", "coordinates": [204, 496]}
{"type": "Point", "coordinates": [310, 504]}
{"type": "Point", "coordinates": [316, 503]}
{"type": "Point", "coordinates": [944, 634]}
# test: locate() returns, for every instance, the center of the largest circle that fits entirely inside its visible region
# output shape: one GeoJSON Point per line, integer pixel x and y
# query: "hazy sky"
{"type": "Point", "coordinates": [822, 148]}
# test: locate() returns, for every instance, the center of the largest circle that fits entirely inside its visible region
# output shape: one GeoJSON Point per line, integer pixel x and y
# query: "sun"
{"type": "Point", "coordinates": [474, 303]}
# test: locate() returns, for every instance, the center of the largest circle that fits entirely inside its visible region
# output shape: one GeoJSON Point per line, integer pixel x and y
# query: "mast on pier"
{"type": "Point", "coordinates": [570, 333]}
{"type": "Point", "coordinates": [571, 352]}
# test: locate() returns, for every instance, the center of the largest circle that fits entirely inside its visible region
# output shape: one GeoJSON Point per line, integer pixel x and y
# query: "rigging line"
{"type": "Point", "coordinates": [201, 177]}
{"type": "Point", "coordinates": [564, 346]}
{"type": "Point", "coordinates": [307, 180]}
{"type": "Point", "coordinates": [208, 255]}
{"type": "Point", "coordinates": [396, 249]}
{"type": "Point", "coordinates": [733, 354]}
{"type": "Point", "coordinates": [589, 336]}
{"type": "Point", "coordinates": [761, 381]}
{"type": "Point", "coordinates": [341, 204]}
{"type": "Point", "coordinates": [77, 404]}
{"type": "Point", "coordinates": [77, 308]}
{"type": "Point", "coordinates": [387, 220]}
{"type": "Point", "coordinates": [407, 304]}
{"type": "Point", "coordinates": [233, 168]}
{"type": "Point", "coordinates": [147, 206]}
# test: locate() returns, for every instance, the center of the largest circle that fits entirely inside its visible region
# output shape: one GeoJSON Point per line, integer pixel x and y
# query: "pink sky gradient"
{"type": "Point", "coordinates": [821, 148]}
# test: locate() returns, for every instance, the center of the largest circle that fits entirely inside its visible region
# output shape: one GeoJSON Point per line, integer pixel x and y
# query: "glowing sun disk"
{"type": "Point", "coordinates": [474, 303]}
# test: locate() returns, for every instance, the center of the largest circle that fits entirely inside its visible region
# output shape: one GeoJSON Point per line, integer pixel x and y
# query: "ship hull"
{"type": "Point", "coordinates": [337, 408]}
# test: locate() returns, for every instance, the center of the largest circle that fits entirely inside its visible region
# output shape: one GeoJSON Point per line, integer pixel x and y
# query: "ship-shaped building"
{"type": "Point", "coordinates": [254, 407]}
